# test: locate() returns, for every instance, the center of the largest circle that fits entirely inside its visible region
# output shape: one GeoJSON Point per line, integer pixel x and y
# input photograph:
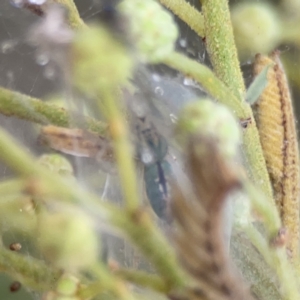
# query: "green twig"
{"type": "Point", "coordinates": [122, 149]}
{"type": "Point", "coordinates": [34, 110]}
{"type": "Point", "coordinates": [220, 45]}
{"type": "Point", "coordinates": [32, 272]}
{"type": "Point", "coordinates": [155, 248]}
{"type": "Point", "coordinates": [187, 13]}
{"type": "Point", "coordinates": [107, 281]}
{"type": "Point", "coordinates": [208, 80]}
{"type": "Point", "coordinates": [241, 109]}
{"type": "Point", "coordinates": [266, 211]}
{"type": "Point", "coordinates": [143, 279]}
{"type": "Point", "coordinates": [74, 18]}
{"type": "Point", "coordinates": [276, 258]}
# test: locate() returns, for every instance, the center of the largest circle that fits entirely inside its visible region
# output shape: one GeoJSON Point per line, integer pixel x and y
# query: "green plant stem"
{"type": "Point", "coordinates": [187, 13]}
{"type": "Point", "coordinates": [92, 290]}
{"type": "Point", "coordinates": [213, 85]}
{"type": "Point", "coordinates": [276, 258]}
{"type": "Point", "coordinates": [141, 230]}
{"type": "Point", "coordinates": [220, 45]}
{"type": "Point", "coordinates": [106, 282]}
{"type": "Point", "coordinates": [218, 90]}
{"type": "Point", "coordinates": [256, 271]}
{"type": "Point", "coordinates": [74, 18]}
{"type": "Point", "coordinates": [143, 279]}
{"type": "Point", "coordinates": [122, 149]}
{"type": "Point", "coordinates": [154, 246]}
{"type": "Point", "coordinates": [32, 272]}
{"type": "Point", "coordinates": [34, 110]}
{"type": "Point", "coordinates": [263, 207]}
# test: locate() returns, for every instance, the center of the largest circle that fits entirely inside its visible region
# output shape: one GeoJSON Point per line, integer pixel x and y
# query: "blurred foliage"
{"type": "Point", "coordinates": [77, 245]}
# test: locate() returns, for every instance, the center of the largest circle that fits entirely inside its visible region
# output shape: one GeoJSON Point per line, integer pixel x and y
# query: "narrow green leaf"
{"type": "Point", "coordinates": [257, 86]}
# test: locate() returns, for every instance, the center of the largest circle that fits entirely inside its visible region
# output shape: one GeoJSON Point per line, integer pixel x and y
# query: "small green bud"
{"type": "Point", "coordinates": [256, 28]}
{"type": "Point", "coordinates": [56, 163]}
{"type": "Point", "coordinates": [100, 61]}
{"type": "Point", "coordinates": [67, 285]}
{"type": "Point", "coordinates": [209, 119]}
{"type": "Point", "coordinates": [68, 240]}
{"type": "Point", "coordinates": [152, 28]}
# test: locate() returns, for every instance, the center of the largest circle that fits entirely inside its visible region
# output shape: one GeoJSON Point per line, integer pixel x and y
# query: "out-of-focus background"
{"type": "Point", "coordinates": [20, 69]}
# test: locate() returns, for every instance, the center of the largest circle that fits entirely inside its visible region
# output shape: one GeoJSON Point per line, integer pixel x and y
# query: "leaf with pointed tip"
{"type": "Point", "coordinates": [257, 86]}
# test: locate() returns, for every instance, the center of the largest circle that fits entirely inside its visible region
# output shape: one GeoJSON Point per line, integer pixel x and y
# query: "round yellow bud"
{"type": "Point", "coordinates": [213, 120]}
{"type": "Point", "coordinates": [67, 285]}
{"type": "Point", "coordinates": [68, 240]}
{"type": "Point", "coordinates": [152, 27]}
{"type": "Point", "coordinates": [256, 28]}
{"type": "Point", "coordinates": [100, 61]}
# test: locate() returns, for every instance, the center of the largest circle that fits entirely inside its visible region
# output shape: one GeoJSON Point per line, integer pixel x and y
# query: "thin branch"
{"type": "Point", "coordinates": [31, 109]}
{"type": "Point", "coordinates": [264, 209]}
{"type": "Point", "coordinates": [143, 279]}
{"type": "Point", "coordinates": [208, 80]}
{"type": "Point", "coordinates": [119, 133]}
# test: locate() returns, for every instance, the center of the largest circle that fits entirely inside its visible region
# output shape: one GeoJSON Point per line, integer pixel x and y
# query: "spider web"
{"type": "Point", "coordinates": [21, 70]}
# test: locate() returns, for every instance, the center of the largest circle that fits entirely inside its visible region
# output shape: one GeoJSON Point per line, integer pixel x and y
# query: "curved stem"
{"type": "Point", "coordinates": [208, 80]}
{"type": "Point", "coordinates": [31, 109]}
{"type": "Point", "coordinates": [122, 149]}
{"type": "Point", "coordinates": [143, 279]}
